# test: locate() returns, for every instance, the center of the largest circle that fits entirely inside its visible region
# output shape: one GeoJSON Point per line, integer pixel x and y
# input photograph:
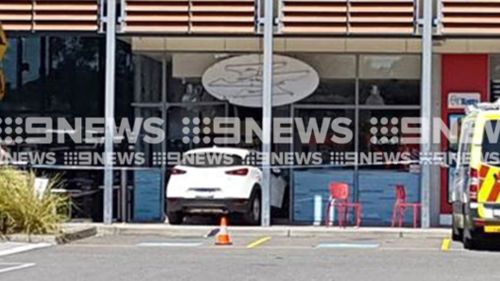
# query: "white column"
{"type": "Point", "coordinates": [267, 88]}
{"type": "Point", "coordinates": [109, 111]}
{"type": "Point", "coordinates": [426, 113]}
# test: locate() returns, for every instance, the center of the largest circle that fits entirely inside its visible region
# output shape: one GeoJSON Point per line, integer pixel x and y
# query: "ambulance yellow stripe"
{"type": "Point", "coordinates": [485, 190]}
{"type": "Point", "coordinates": [495, 191]}
{"type": "Point", "coordinates": [487, 186]}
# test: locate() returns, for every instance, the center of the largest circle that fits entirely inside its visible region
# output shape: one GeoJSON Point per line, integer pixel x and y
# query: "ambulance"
{"type": "Point", "coordinates": [476, 181]}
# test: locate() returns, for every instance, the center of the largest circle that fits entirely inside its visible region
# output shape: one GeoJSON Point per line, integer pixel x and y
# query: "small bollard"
{"type": "Point", "coordinates": [318, 210]}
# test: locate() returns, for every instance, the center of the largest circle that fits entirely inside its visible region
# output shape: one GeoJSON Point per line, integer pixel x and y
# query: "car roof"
{"type": "Point", "coordinates": [241, 152]}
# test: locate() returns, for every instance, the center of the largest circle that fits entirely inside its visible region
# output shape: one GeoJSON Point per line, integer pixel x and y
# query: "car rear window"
{"type": "Point", "coordinates": [490, 146]}
{"type": "Point", "coordinates": [207, 160]}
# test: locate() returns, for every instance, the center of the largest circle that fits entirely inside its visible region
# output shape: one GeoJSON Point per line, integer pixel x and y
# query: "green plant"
{"type": "Point", "coordinates": [24, 211]}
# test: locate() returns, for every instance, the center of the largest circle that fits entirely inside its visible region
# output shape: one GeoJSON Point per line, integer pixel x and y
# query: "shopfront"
{"type": "Point", "coordinates": [367, 65]}
{"type": "Point", "coordinates": [376, 90]}
{"type": "Point", "coordinates": [57, 76]}
{"type": "Point", "coordinates": [62, 76]}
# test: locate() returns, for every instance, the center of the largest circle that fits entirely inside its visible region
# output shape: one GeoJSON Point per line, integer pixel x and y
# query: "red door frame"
{"type": "Point", "coordinates": [460, 73]}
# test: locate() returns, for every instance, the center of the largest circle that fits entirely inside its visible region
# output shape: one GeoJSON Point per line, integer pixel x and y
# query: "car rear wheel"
{"type": "Point", "coordinates": [175, 217]}
{"type": "Point", "coordinates": [255, 207]}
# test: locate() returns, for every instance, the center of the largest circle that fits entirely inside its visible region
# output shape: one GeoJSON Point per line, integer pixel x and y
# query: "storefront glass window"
{"type": "Point", "coordinates": [389, 92]}
{"type": "Point", "coordinates": [388, 156]}
{"type": "Point", "coordinates": [312, 179]}
{"type": "Point", "coordinates": [74, 76]}
{"type": "Point", "coordinates": [10, 66]}
{"type": "Point", "coordinates": [389, 67]}
{"type": "Point", "coordinates": [184, 82]}
{"type": "Point", "coordinates": [150, 71]}
{"type": "Point", "coordinates": [384, 83]}
{"type": "Point", "coordinates": [59, 75]}
{"type": "Point", "coordinates": [188, 91]}
{"type": "Point", "coordinates": [333, 91]}
{"type": "Point", "coordinates": [63, 77]}
{"type": "Point", "coordinates": [355, 87]}
{"type": "Point", "coordinates": [324, 143]}
{"type": "Point", "coordinates": [181, 139]}
{"type": "Point", "coordinates": [495, 77]}
{"type": "Point", "coordinates": [10, 70]}
{"type": "Point", "coordinates": [24, 75]}
{"type": "Point", "coordinates": [389, 80]}
{"type": "Point", "coordinates": [336, 72]}
{"type": "Point", "coordinates": [31, 66]}
{"type": "Point", "coordinates": [148, 149]}
{"type": "Point", "coordinates": [124, 84]}
{"type": "Point", "coordinates": [389, 131]}
{"type": "Point", "coordinates": [495, 67]}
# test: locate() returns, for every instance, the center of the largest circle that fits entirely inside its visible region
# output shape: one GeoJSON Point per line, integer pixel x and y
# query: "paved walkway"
{"type": "Point", "coordinates": [149, 257]}
{"type": "Point", "coordinates": [280, 231]}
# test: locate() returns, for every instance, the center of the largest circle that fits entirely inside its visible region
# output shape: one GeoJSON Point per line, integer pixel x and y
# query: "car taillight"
{"type": "Point", "coordinates": [238, 172]}
{"type": "Point", "coordinates": [176, 171]}
{"type": "Point", "coordinates": [473, 184]}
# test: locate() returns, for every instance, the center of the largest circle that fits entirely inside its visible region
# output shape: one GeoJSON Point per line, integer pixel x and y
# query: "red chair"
{"type": "Point", "coordinates": [401, 205]}
{"type": "Point", "coordinates": [339, 197]}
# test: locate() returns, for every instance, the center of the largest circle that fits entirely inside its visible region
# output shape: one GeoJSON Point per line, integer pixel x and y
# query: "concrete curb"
{"type": "Point", "coordinates": [69, 234]}
{"type": "Point", "coordinates": [276, 231]}
{"type": "Point", "coordinates": [77, 233]}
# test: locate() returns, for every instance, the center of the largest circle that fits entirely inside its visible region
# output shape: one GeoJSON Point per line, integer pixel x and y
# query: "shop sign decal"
{"type": "Point", "coordinates": [461, 100]}
{"type": "Point", "coordinates": [239, 80]}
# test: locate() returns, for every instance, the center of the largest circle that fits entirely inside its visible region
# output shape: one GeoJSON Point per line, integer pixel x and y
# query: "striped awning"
{"type": "Point", "coordinates": [470, 17]}
{"type": "Point", "coordinates": [49, 15]}
{"type": "Point", "coordinates": [351, 17]}
{"type": "Point", "coordinates": [189, 16]}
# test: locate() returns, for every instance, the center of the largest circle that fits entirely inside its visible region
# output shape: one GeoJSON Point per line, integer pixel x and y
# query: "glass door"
{"type": "Point", "coordinates": [320, 158]}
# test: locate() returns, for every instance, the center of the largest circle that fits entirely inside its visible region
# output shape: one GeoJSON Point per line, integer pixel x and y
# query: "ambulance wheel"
{"type": "Point", "coordinates": [456, 233]}
{"type": "Point", "coordinates": [470, 242]}
{"type": "Point", "coordinates": [470, 237]}
{"type": "Point", "coordinates": [175, 217]}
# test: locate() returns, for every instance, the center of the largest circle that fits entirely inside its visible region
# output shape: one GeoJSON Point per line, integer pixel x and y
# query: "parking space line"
{"type": "Point", "coordinates": [170, 244]}
{"type": "Point", "coordinates": [16, 249]}
{"type": "Point", "coordinates": [258, 242]}
{"type": "Point", "coordinates": [418, 249]}
{"type": "Point", "coordinates": [445, 246]}
{"type": "Point", "coordinates": [347, 245]}
{"type": "Point", "coordinates": [15, 266]}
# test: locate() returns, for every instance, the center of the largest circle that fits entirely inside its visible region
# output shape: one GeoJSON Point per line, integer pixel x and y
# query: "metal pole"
{"type": "Point", "coordinates": [164, 88]}
{"type": "Point", "coordinates": [426, 113]}
{"type": "Point", "coordinates": [109, 112]}
{"type": "Point", "coordinates": [267, 87]}
{"type": "Point", "coordinates": [123, 195]}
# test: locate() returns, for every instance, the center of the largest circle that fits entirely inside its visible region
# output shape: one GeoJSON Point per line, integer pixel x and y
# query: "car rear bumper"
{"type": "Point", "coordinates": [207, 206]}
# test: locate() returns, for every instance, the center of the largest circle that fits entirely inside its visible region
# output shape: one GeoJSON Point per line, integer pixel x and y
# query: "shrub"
{"type": "Point", "coordinates": [23, 211]}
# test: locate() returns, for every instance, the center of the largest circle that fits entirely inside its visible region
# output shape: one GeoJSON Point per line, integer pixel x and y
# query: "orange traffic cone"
{"type": "Point", "coordinates": [223, 236]}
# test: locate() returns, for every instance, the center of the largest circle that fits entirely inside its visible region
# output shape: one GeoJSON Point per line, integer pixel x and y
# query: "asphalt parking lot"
{"type": "Point", "coordinates": [133, 257]}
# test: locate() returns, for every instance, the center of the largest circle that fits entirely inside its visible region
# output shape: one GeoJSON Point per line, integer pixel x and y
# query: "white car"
{"type": "Point", "coordinates": [220, 180]}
